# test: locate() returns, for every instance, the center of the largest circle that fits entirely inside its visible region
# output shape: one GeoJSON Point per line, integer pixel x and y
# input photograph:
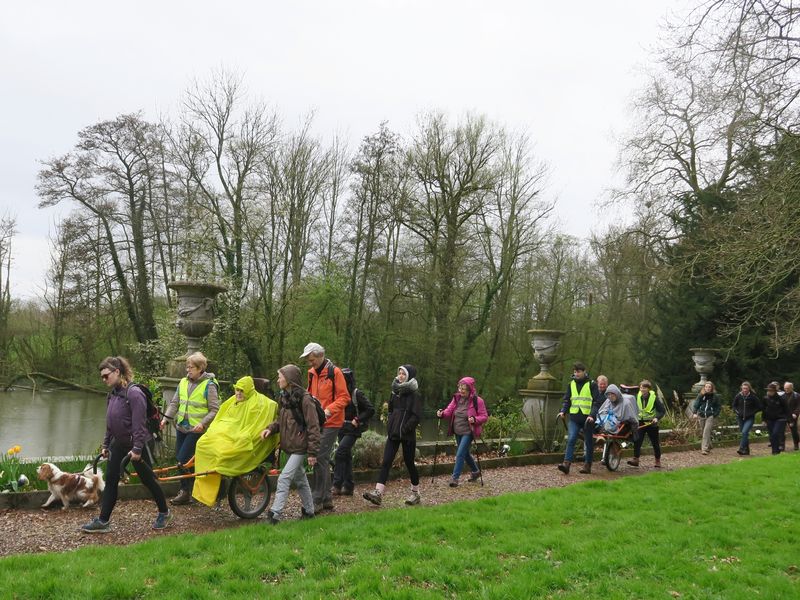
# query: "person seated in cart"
{"type": "Point", "coordinates": [233, 445]}
{"type": "Point", "coordinates": [617, 415]}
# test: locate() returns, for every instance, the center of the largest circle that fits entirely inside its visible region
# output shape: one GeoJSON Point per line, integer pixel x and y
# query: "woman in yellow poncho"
{"type": "Point", "coordinates": [233, 445]}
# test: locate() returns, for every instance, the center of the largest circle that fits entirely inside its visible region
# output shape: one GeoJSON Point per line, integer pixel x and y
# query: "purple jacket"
{"type": "Point", "coordinates": [126, 418]}
{"type": "Point", "coordinates": [481, 416]}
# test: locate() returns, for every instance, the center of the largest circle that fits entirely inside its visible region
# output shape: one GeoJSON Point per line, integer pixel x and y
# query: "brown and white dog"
{"type": "Point", "coordinates": [84, 487]}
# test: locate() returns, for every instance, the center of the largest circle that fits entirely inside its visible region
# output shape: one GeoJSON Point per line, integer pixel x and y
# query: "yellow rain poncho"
{"type": "Point", "coordinates": [233, 445]}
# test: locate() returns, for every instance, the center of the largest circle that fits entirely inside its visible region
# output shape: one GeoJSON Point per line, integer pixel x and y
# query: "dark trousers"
{"type": "Point", "coordinates": [652, 433]}
{"type": "Point", "coordinates": [143, 469]}
{"type": "Point", "coordinates": [185, 444]}
{"type": "Point", "coordinates": [777, 434]}
{"type": "Point", "coordinates": [793, 429]}
{"type": "Point", "coordinates": [343, 467]}
{"type": "Point", "coordinates": [390, 451]}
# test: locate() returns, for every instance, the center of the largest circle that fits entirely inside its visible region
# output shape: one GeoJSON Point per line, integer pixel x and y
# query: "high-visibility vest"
{"type": "Point", "coordinates": [581, 400]}
{"type": "Point", "coordinates": [646, 413]}
{"type": "Point", "coordinates": [195, 407]}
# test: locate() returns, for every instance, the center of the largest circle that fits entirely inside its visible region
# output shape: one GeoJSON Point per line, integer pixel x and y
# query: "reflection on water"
{"type": "Point", "coordinates": [61, 423]}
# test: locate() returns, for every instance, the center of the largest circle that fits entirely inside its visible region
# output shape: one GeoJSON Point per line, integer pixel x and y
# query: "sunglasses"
{"type": "Point", "coordinates": [105, 376]}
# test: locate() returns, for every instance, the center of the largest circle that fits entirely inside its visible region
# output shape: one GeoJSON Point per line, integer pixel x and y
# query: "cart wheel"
{"type": "Point", "coordinates": [249, 494]}
{"type": "Point", "coordinates": [612, 453]}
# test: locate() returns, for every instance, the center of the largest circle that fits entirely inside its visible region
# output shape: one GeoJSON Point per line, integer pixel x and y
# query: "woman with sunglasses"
{"type": "Point", "coordinates": [126, 435]}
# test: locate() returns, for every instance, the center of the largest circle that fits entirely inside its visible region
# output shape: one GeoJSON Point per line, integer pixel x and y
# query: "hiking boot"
{"type": "Point", "coordinates": [346, 492]}
{"type": "Point", "coordinates": [658, 463]}
{"type": "Point", "coordinates": [183, 497]}
{"type": "Point", "coordinates": [413, 498]}
{"type": "Point", "coordinates": [373, 496]}
{"type": "Point", "coordinates": [272, 519]}
{"type": "Point", "coordinates": [586, 468]}
{"type": "Point", "coordinates": [634, 462]}
{"type": "Point", "coordinates": [327, 505]}
{"type": "Point", "coordinates": [97, 526]}
{"type": "Point", "coordinates": [473, 477]}
{"type": "Point", "coordinates": [336, 491]}
{"type": "Point", "coordinates": [305, 514]}
{"type": "Point", "coordinates": [163, 520]}
{"type": "Point", "coordinates": [564, 467]}
{"type": "Point", "coordinates": [454, 483]}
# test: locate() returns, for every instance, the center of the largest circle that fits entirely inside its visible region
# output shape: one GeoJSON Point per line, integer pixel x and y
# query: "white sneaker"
{"type": "Point", "coordinates": [413, 498]}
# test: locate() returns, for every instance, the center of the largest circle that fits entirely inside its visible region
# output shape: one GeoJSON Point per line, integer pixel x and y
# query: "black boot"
{"type": "Point", "coordinates": [564, 467]}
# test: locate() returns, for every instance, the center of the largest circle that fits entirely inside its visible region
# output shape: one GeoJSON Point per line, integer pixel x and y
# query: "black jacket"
{"type": "Point", "coordinates": [359, 406]}
{"type": "Point", "coordinates": [746, 406]}
{"type": "Point", "coordinates": [405, 413]}
{"type": "Point", "coordinates": [775, 408]}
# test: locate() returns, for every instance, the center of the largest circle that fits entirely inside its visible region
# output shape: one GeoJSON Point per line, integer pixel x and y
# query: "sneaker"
{"type": "Point", "coordinates": [271, 518]}
{"type": "Point", "coordinates": [336, 491]}
{"type": "Point", "coordinates": [634, 462]}
{"type": "Point", "coordinates": [327, 505]}
{"type": "Point", "coordinates": [163, 520]}
{"type": "Point", "coordinates": [704, 452]}
{"type": "Point", "coordinates": [473, 477]}
{"type": "Point", "coordinates": [304, 514]}
{"type": "Point", "coordinates": [454, 483]}
{"type": "Point", "coordinates": [373, 496]}
{"type": "Point", "coordinates": [97, 526]}
{"type": "Point", "coordinates": [347, 492]}
{"type": "Point", "coordinates": [413, 499]}
{"type": "Point", "coordinates": [183, 497]}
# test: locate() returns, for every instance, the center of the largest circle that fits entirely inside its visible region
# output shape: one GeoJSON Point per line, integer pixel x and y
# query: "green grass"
{"type": "Point", "coordinates": [714, 532]}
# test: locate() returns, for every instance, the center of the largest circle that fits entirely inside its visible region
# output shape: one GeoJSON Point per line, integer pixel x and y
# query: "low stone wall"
{"type": "Point", "coordinates": [33, 500]}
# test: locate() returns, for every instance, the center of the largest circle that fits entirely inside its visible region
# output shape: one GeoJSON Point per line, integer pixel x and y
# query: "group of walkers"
{"type": "Point", "coordinates": [306, 436]}
{"type": "Point", "coordinates": [590, 406]}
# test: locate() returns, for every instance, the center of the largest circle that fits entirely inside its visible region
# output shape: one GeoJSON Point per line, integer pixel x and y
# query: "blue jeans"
{"type": "Point", "coordinates": [777, 434]}
{"type": "Point", "coordinates": [574, 428]}
{"type": "Point", "coordinates": [293, 472]}
{"type": "Point", "coordinates": [185, 444]}
{"type": "Point", "coordinates": [463, 454]}
{"type": "Point", "coordinates": [744, 426]}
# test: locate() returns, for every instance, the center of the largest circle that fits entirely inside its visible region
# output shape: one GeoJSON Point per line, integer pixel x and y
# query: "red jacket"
{"type": "Point", "coordinates": [321, 387]}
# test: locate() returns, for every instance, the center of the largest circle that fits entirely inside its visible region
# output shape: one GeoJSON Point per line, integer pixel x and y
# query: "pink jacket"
{"type": "Point", "coordinates": [480, 414]}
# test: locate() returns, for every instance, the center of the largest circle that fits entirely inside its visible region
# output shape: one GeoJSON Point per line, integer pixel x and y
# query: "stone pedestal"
{"type": "Point", "coordinates": [195, 320]}
{"type": "Point", "coordinates": [541, 400]}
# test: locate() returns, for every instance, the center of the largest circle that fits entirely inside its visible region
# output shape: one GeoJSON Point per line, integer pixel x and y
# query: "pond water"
{"type": "Point", "coordinates": [57, 423]}
{"type": "Point", "coordinates": [69, 423]}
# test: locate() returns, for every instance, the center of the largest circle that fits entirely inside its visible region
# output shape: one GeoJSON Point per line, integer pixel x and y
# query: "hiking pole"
{"type": "Point", "coordinates": [436, 448]}
{"type": "Point", "coordinates": [478, 456]}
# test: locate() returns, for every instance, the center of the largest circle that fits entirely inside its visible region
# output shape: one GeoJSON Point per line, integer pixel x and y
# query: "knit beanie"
{"type": "Point", "coordinates": [409, 370]}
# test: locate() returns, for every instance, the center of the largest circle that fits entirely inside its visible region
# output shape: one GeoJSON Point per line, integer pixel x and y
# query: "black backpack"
{"type": "Point", "coordinates": [299, 417]}
{"type": "Point", "coordinates": [152, 415]}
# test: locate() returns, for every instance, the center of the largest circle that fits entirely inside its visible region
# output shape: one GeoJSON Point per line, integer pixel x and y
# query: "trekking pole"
{"type": "Point", "coordinates": [478, 457]}
{"type": "Point", "coordinates": [436, 448]}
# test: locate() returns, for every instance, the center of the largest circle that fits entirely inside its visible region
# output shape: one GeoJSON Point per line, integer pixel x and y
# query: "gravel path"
{"type": "Point", "coordinates": [32, 531]}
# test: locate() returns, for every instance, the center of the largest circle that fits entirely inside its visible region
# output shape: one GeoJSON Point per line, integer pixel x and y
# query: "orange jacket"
{"type": "Point", "coordinates": [321, 387]}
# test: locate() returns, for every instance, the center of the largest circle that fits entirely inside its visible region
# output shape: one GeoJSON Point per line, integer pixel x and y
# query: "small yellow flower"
{"type": "Point", "coordinates": [17, 449]}
{"type": "Point", "coordinates": [10, 451]}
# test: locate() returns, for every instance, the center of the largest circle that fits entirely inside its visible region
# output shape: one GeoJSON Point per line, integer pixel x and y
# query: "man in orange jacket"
{"type": "Point", "coordinates": [327, 384]}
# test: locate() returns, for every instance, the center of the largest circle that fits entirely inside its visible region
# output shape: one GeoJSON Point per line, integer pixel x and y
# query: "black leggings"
{"type": "Point", "coordinates": [143, 469]}
{"type": "Point", "coordinates": [652, 433]}
{"type": "Point", "coordinates": [390, 451]}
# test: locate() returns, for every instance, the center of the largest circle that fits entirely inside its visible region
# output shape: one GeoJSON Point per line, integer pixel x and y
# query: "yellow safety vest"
{"type": "Point", "coordinates": [646, 413]}
{"type": "Point", "coordinates": [195, 407]}
{"type": "Point", "coordinates": [581, 400]}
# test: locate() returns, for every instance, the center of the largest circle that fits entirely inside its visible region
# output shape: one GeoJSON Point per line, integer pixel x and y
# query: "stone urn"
{"type": "Point", "coordinates": [545, 344]}
{"type": "Point", "coordinates": [195, 310]}
{"type": "Point", "coordinates": [704, 361]}
{"type": "Point", "coordinates": [541, 400]}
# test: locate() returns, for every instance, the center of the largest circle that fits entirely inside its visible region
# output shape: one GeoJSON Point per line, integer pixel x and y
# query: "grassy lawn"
{"type": "Point", "coordinates": [713, 532]}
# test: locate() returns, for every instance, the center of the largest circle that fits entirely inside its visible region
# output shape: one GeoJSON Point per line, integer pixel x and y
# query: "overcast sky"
{"type": "Point", "coordinates": [564, 72]}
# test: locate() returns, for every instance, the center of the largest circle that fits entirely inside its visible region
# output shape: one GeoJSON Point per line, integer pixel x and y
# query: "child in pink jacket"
{"type": "Point", "coordinates": [467, 414]}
